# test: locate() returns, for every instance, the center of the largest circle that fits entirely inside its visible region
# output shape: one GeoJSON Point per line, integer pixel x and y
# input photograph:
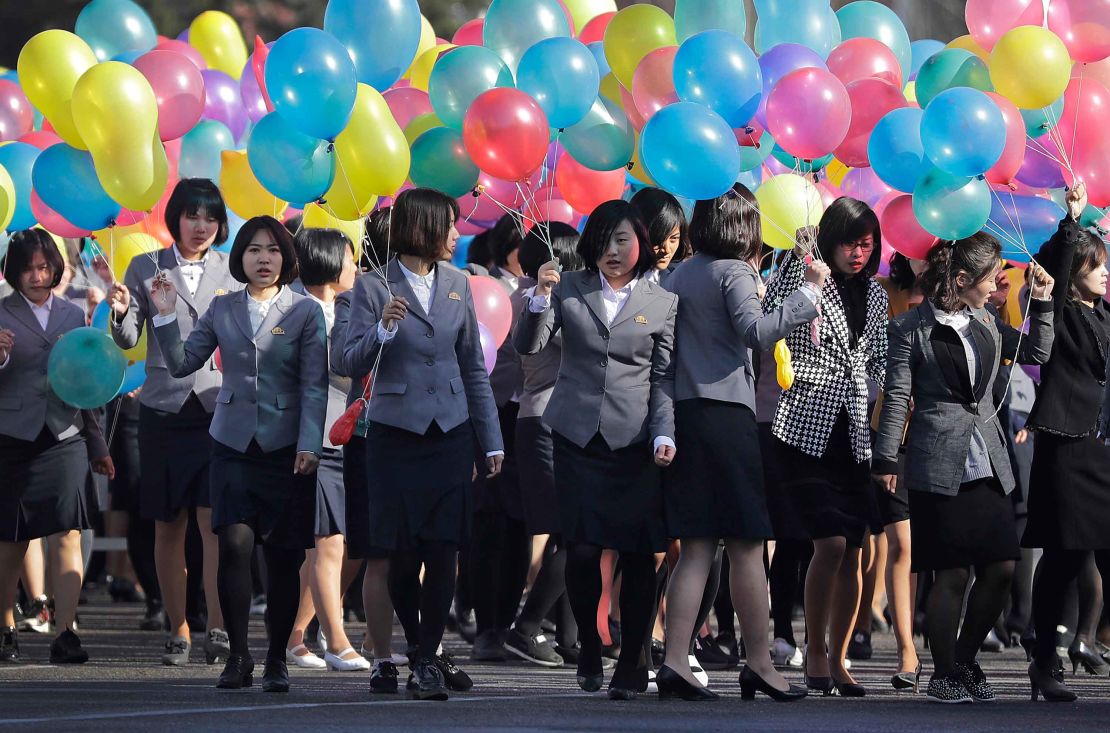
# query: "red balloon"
{"type": "Point", "coordinates": [1086, 146]}
{"type": "Point", "coordinates": [586, 189]}
{"type": "Point", "coordinates": [595, 30]}
{"type": "Point", "coordinates": [469, 34]}
{"type": "Point", "coordinates": [407, 103]}
{"type": "Point", "coordinates": [628, 102]}
{"type": "Point", "coordinates": [506, 133]}
{"type": "Point", "coordinates": [17, 117]}
{"type": "Point", "coordinates": [41, 139]}
{"type": "Point", "coordinates": [809, 113]}
{"type": "Point", "coordinates": [653, 82]}
{"type": "Point", "coordinates": [865, 58]}
{"type": "Point", "coordinates": [54, 222]}
{"type": "Point", "coordinates": [554, 209]}
{"type": "Point", "coordinates": [178, 90]}
{"type": "Point", "coordinates": [902, 230]}
{"type": "Point", "coordinates": [1013, 155]}
{"type": "Point", "coordinates": [184, 49]}
{"type": "Point", "coordinates": [871, 99]}
{"type": "Point", "coordinates": [258, 66]}
{"type": "Point", "coordinates": [749, 136]}
{"type": "Point", "coordinates": [1083, 26]}
{"type": "Point", "coordinates": [492, 306]}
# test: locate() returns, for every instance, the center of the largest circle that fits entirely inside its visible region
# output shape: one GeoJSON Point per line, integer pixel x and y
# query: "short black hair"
{"type": "Point", "coordinates": [534, 252]}
{"type": "Point", "coordinates": [663, 214]}
{"type": "Point", "coordinates": [599, 230]}
{"type": "Point", "coordinates": [504, 239]}
{"type": "Point", "coordinates": [320, 255]}
{"type": "Point", "coordinates": [478, 253]}
{"type": "Point", "coordinates": [902, 275]}
{"type": "Point", "coordinates": [421, 221]}
{"type": "Point", "coordinates": [728, 226]}
{"type": "Point", "coordinates": [846, 220]}
{"type": "Point", "coordinates": [192, 195]}
{"type": "Point", "coordinates": [376, 248]}
{"type": "Point", "coordinates": [281, 235]}
{"type": "Point", "coordinates": [294, 224]}
{"type": "Point", "coordinates": [21, 250]}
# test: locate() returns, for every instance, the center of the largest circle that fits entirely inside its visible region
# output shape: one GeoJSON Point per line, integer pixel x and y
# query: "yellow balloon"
{"type": "Point", "coordinates": [121, 250]}
{"type": "Point", "coordinates": [638, 170]}
{"type": "Point", "coordinates": [1016, 276]}
{"type": "Point", "coordinates": [835, 171]}
{"type": "Point", "coordinates": [421, 70]}
{"type": "Point", "coordinates": [217, 37]}
{"type": "Point", "coordinates": [426, 43]}
{"type": "Point", "coordinates": [1030, 66]}
{"type": "Point", "coordinates": [421, 124]}
{"type": "Point", "coordinates": [910, 92]}
{"type": "Point", "coordinates": [242, 191]}
{"type": "Point", "coordinates": [7, 198]}
{"type": "Point", "coordinates": [968, 43]}
{"type": "Point", "coordinates": [49, 66]}
{"type": "Point", "coordinates": [318, 217]}
{"type": "Point", "coordinates": [611, 89]}
{"type": "Point", "coordinates": [787, 203]}
{"type": "Point", "coordinates": [632, 34]}
{"type": "Point", "coordinates": [372, 157]}
{"type": "Point", "coordinates": [784, 371]}
{"type": "Point", "coordinates": [583, 11]}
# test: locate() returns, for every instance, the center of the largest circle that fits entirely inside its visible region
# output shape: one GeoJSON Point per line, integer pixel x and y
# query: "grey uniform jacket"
{"type": "Point", "coordinates": [540, 370]}
{"type": "Point", "coordinates": [432, 370]}
{"type": "Point", "coordinates": [275, 387]}
{"type": "Point", "coordinates": [720, 322]}
{"type": "Point", "coordinates": [615, 380]}
{"type": "Point", "coordinates": [926, 362]}
{"type": "Point", "coordinates": [161, 390]}
{"type": "Point", "coordinates": [27, 403]}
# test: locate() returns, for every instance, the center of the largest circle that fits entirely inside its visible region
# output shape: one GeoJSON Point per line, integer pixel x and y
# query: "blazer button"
{"type": "Point", "coordinates": [430, 362]}
{"type": "Point", "coordinates": [601, 390]}
{"type": "Point", "coordinates": [974, 405]}
{"type": "Point", "coordinates": [429, 334]}
{"type": "Point", "coordinates": [431, 390]}
{"type": "Point", "coordinates": [605, 336]}
{"type": "Point", "coordinates": [604, 362]}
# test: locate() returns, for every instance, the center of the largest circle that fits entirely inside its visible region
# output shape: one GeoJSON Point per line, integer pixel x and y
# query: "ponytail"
{"type": "Point", "coordinates": [977, 255]}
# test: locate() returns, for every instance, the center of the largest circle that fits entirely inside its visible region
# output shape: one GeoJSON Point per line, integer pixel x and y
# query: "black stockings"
{"type": "Point", "coordinates": [948, 642]}
{"type": "Point", "coordinates": [424, 605]}
{"type": "Point", "coordinates": [1057, 570]}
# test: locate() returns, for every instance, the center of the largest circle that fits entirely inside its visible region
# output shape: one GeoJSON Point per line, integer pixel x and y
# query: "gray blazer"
{"type": "Point", "coordinates": [617, 380]}
{"type": "Point", "coordinates": [161, 390]}
{"type": "Point", "coordinates": [540, 370]}
{"type": "Point", "coordinates": [275, 387]}
{"type": "Point", "coordinates": [926, 362]}
{"type": "Point", "coordinates": [507, 378]}
{"type": "Point", "coordinates": [432, 370]}
{"type": "Point", "coordinates": [720, 322]}
{"type": "Point", "coordinates": [27, 403]}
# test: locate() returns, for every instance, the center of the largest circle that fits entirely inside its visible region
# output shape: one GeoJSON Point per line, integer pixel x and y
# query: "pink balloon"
{"type": "Point", "coordinates": [988, 20]}
{"type": "Point", "coordinates": [653, 82]}
{"type": "Point", "coordinates": [586, 189]}
{"type": "Point", "coordinates": [1087, 148]}
{"type": "Point", "coordinates": [17, 117]}
{"type": "Point", "coordinates": [178, 89]}
{"type": "Point", "coordinates": [1083, 26]}
{"type": "Point", "coordinates": [1013, 155]}
{"type": "Point", "coordinates": [902, 230]}
{"type": "Point", "coordinates": [809, 113]}
{"type": "Point", "coordinates": [1099, 70]}
{"type": "Point", "coordinates": [472, 227]}
{"type": "Point", "coordinates": [871, 99]}
{"type": "Point", "coordinates": [506, 133]}
{"type": "Point", "coordinates": [864, 58]}
{"type": "Point", "coordinates": [184, 49]}
{"type": "Point", "coordinates": [595, 29]}
{"type": "Point", "coordinates": [628, 102]}
{"type": "Point", "coordinates": [555, 209]}
{"type": "Point", "coordinates": [489, 348]}
{"type": "Point", "coordinates": [829, 192]}
{"type": "Point", "coordinates": [407, 104]}
{"type": "Point", "coordinates": [863, 184]}
{"type": "Point", "coordinates": [41, 139]}
{"type": "Point", "coordinates": [749, 136]}
{"type": "Point", "coordinates": [52, 221]}
{"type": "Point", "coordinates": [469, 34]}
{"type": "Point", "coordinates": [492, 306]}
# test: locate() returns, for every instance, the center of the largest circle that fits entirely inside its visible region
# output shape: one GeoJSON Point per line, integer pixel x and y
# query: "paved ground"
{"type": "Point", "coordinates": [123, 688]}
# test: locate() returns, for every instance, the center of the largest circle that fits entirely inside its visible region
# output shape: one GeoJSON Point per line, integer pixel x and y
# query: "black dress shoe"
{"type": "Point", "coordinates": [850, 689]}
{"type": "Point", "coordinates": [1050, 683]}
{"type": "Point", "coordinates": [275, 676]}
{"type": "Point", "coordinates": [9, 645]}
{"type": "Point", "coordinates": [66, 649]}
{"type": "Point", "coordinates": [621, 693]}
{"type": "Point", "coordinates": [155, 618]}
{"type": "Point", "coordinates": [658, 652]}
{"type": "Point", "coordinates": [383, 678]}
{"type": "Point", "coordinates": [428, 682]}
{"type": "Point", "coordinates": [123, 590]}
{"type": "Point", "coordinates": [750, 683]}
{"type": "Point", "coordinates": [859, 648]}
{"type": "Point", "coordinates": [672, 684]}
{"type": "Point", "coordinates": [453, 677]}
{"type": "Point", "coordinates": [590, 682]}
{"type": "Point", "coordinates": [238, 672]}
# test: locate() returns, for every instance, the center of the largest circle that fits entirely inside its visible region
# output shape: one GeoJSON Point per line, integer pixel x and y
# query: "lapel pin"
{"type": "Point", "coordinates": [641, 319]}
{"type": "Point", "coordinates": [454, 296]}
{"type": "Point", "coordinates": [221, 291]}
{"type": "Point", "coordinates": [277, 331]}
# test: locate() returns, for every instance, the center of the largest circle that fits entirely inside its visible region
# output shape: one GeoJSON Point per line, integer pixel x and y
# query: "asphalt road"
{"type": "Point", "coordinates": [124, 688]}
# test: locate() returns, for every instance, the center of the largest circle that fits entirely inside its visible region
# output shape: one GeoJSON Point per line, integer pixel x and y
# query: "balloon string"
{"type": "Point", "coordinates": [813, 251]}
{"type": "Point", "coordinates": [1056, 137]}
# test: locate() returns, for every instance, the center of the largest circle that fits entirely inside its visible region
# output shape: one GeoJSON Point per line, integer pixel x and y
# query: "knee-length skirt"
{"type": "Point", "coordinates": [1069, 494]}
{"type": "Point", "coordinates": [42, 487]}
{"type": "Point", "coordinates": [175, 451]}
{"type": "Point", "coordinates": [331, 509]}
{"type": "Point", "coordinates": [974, 527]}
{"type": "Point", "coordinates": [535, 463]}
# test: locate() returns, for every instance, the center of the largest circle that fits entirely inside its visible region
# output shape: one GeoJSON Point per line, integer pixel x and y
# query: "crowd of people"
{"type": "Point", "coordinates": [684, 429]}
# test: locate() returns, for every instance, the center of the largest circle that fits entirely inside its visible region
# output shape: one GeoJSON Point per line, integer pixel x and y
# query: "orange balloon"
{"type": "Point", "coordinates": [586, 189]}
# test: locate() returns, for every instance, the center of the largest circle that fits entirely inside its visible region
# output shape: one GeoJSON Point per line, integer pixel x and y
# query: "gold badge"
{"type": "Point", "coordinates": [221, 291]}
{"type": "Point", "coordinates": [277, 331]}
{"type": "Point", "coordinates": [642, 320]}
{"type": "Point", "coordinates": [454, 296]}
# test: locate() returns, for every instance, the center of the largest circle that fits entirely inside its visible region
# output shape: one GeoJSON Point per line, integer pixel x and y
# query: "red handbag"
{"type": "Point", "coordinates": [344, 427]}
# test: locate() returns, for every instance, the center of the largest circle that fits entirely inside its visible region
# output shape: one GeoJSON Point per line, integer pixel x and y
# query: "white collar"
{"type": "Point", "coordinates": [958, 320]}
{"type": "Point", "coordinates": [608, 289]}
{"type": "Point", "coordinates": [413, 278]}
{"type": "Point", "coordinates": [184, 262]}
{"type": "Point", "coordinates": [268, 301]}
{"type": "Point", "coordinates": [44, 307]}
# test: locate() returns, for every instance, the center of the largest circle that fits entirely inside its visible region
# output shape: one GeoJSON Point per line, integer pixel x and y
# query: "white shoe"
{"type": "Point", "coordinates": [398, 660]}
{"type": "Point", "coordinates": [699, 674]}
{"type": "Point", "coordinates": [785, 654]}
{"type": "Point", "coordinates": [337, 663]}
{"type": "Point", "coordinates": [307, 660]}
{"type": "Point", "coordinates": [652, 687]}
{"type": "Point", "coordinates": [322, 641]}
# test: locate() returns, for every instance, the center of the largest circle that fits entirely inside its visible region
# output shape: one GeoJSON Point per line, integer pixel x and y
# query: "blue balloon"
{"type": "Point", "coordinates": [691, 151]}
{"type": "Point", "coordinates": [597, 48]}
{"type": "Point", "coordinates": [718, 70]}
{"type": "Point", "coordinates": [691, 17]}
{"type": "Point", "coordinates": [512, 27]}
{"type": "Point", "coordinates": [1022, 224]}
{"type": "Point", "coordinates": [869, 19]}
{"type": "Point", "coordinates": [920, 51]}
{"type": "Point", "coordinates": [86, 368]}
{"type": "Point", "coordinates": [201, 148]}
{"type": "Point", "coordinates": [381, 37]}
{"type": "Point", "coordinates": [289, 164]}
{"type": "Point", "coordinates": [963, 132]}
{"type": "Point", "coordinates": [65, 179]}
{"type": "Point", "coordinates": [133, 377]}
{"type": "Point", "coordinates": [895, 150]}
{"type": "Point", "coordinates": [460, 76]}
{"type": "Point", "coordinates": [562, 76]}
{"type": "Point", "coordinates": [312, 82]}
{"type": "Point", "coordinates": [99, 319]}
{"type": "Point", "coordinates": [113, 27]}
{"type": "Point", "coordinates": [10, 75]}
{"type": "Point", "coordinates": [462, 248]}
{"type": "Point", "coordinates": [234, 224]}
{"type": "Point", "coordinates": [951, 207]}
{"type": "Point", "coordinates": [810, 23]}
{"type": "Point", "coordinates": [19, 160]}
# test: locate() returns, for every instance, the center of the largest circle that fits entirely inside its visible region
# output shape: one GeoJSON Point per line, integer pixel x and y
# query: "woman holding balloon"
{"type": "Point", "coordinates": [46, 446]}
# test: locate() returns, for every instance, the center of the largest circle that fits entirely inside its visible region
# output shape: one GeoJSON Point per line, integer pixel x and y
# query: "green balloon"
{"type": "Point", "coordinates": [86, 368]}
{"type": "Point", "coordinates": [952, 67]}
{"type": "Point", "coordinates": [603, 140]}
{"type": "Point", "coordinates": [1040, 121]}
{"type": "Point", "coordinates": [440, 161]}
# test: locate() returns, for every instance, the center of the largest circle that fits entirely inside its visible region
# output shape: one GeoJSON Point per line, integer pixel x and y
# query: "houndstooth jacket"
{"type": "Point", "coordinates": [831, 375]}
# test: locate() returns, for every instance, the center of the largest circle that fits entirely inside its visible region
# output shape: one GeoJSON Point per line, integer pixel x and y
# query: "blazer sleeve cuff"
{"type": "Point", "coordinates": [1037, 305]}
{"type": "Point", "coordinates": [884, 466]}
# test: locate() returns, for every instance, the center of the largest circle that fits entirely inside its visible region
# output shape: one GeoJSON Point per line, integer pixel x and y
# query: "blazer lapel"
{"type": "Point", "coordinates": [206, 288]}
{"type": "Point", "coordinates": [988, 353]}
{"type": "Point", "coordinates": [640, 297]}
{"type": "Point", "coordinates": [832, 310]}
{"type": "Point", "coordinates": [19, 308]}
{"type": "Point", "coordinates": [952, 360]}
{"type": "Point", "coordinates": [242, 314]}
{"type": "Point", "coordinates": [168, 261]}
{"type": "Point", "coordinates": [399, 284]}
{"type": "Point", "coordinates": [54, 322]}
{"type": "Point", "coordinates": [281, 306]}
{"type": "Point", "coordinates": [444, 287]}
{"type": "Point", "coordinates": [589, 286]}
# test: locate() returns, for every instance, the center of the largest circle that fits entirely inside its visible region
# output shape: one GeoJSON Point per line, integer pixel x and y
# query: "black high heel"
{"type": "Point", "coordinates": [238, 673]}
{"type": "Point", "coordinates": [1082, 655]}
{"type": "Point", "coordinates": [907, 680]}
{"type": "Point", "coordinates": [1050, 684]}
{"type": "Point", "coordinates": [849, 689]}
{"type": "Point", "coordinates": [672, 684]}
{"type": "Point", "coordinates": [750, 683]}
{"type": "Point", "coordinates": [824, 685]}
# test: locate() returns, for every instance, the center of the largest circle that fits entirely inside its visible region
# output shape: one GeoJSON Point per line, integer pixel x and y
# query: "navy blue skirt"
{"type": "Point", "coordinates": [331, 510]}
{"type": "Point", "coordinates": [42, 491]}
{"type": "Point", "coordinates": [175, 451]}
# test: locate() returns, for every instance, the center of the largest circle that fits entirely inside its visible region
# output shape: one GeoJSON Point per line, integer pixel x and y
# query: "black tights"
{"type": "Point", "coordinates": [786, 574]}
{"type": "Point", "coordinates": [948, 642]}
{"type": "Point", "coordinates": [423, 608]}
{"type": "Point", "coordinates": [500, 555]}
{"type": "Point", "coordinates": [283, 588]}
{"type": "Point", "coordinates": [1057, 570]}
{"type": "Point", "coordinates": [637, 593]}
{"type": "Point", "coordinates": [548, 597]}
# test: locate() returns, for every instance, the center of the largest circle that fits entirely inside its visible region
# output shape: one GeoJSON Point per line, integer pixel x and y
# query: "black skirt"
{"type": "Point", "coordinates": [786, 524]}
{"type": "Point", "coordinates": [331, 509]}
{"type": "Point", "coordinates": [356, 503]}
{"type": "Point", "coordinates": [43, 486]}
{"type": "Point", "coordinates": [609, 498]}
{"type": "Point", "coordinates": [974, 527]}
{"type": "Point", "coordinates": [126, 488]}
{"type": "Point", "coordinates": [419, 485]}
{"type": "Point", "coordinates": [714, 489]}
{"type": "Point", "coordinates": [894, 506]}
{"type": "Point", "coordinates": [500, 494]}
{"type": "Point", "coordinates": [535, 465]}
{"type": "Point", "coordinates": [1069, 494]}
{"type": "Point", "coordinates": [175, 451]}
{"type": "Point", "coordinates": [260, 489]}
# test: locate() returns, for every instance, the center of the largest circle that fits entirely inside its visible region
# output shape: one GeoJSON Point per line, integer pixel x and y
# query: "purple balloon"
{"type": "Point", "coordinates": [777, 63]}
{"type": "Point", "coordinates": [184, 35]}
{"type": "Point", "coordinates": [223, 102]}
{"type": "Point", "coordinates": [489, 347]}
{"type": "Point", "coordinates": [863, 184]}
{"type": "Point", "coordinates": [1040, 169]}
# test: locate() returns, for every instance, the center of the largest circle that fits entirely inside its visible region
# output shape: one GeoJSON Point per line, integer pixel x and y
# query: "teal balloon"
{"type": "Point", "coordinates": [690, 151]}
{"type": "Point", "coordinates": [562, 76]}
{"type": "Point", "coordinates": [802, 166]}
{"type": "Point", "coordinates": [511, 27]}
{"type": "Point", "coordinates": [381, 37]}
{"type": "Point", "coordinates": [133, 378]}
{"type": "Point", "coordinates": [751, 157]}
{"type": "Point", "coordinates": [717, 69]}
{"type": "Point", "coordinates": [113, 28]}
{"type": "Point", "coordinates": [951, 207]}
{"type": "Point", "coordinates": [603, 140]}
{"type": "Point", "coordinates": [949, 69]}
{"type": "Point", "coordinates": [460, 76]}
{"type": "Point", "coordinates": [922, 51]}
{"type": "Point", "coordinates": [691, 17]}
{"type": "Point", "coordinates": [1040, 121]}
{"type": "Point", "coordinates": [289, 164]}
{"type": "Point", "coordinates": [440, 161]}
{"type": "Point", "coordinates": [201, 148]}
{"type": "Point", "coordinates": [19, 160]}
{"type": "Point", "coordinates": [895, 150]}
{"type": "Point", "coordinates": [86, 368]}
{"type": "Point", "coordinates": [65, 179]}
{"type": "Point", "coordinates": [963, 132]}
{"type": "Point", "coordinates": [869, 19]}
{"type": "Point", "coordinates": [312, 82]}
{"type": "Point", "coordinates": [809, 23]}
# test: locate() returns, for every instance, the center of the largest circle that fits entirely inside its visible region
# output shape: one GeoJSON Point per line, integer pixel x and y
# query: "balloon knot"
{"type": "Point", "coordinates": [749, 130]}
{"type": "Point", "coordinates": [630, 165]}
{"type": "Point", "coordinates": [331, 147]}
{"type": "Point", "coordinates": [1012, 186]}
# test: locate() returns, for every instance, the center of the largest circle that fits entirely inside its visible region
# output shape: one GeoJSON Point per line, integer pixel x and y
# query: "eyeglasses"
{"type": "Point", "coordinates": [863, 245]}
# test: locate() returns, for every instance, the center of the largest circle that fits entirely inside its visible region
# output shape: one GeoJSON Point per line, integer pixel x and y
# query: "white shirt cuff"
{"type": "Point", "coordinates": [160, 320]}
{"type": "Point", "coordinates": [663, 440]}
{"type": "Point", "coordinates": [812, 292]}
{"type": "Point", "coordinates": [6, 360]}
{"type": "Point", "coordinates": [536, 303]}
{"type": "Point", "coordinates": [384, 334]}
{"type": "Point", "coordinates": [493, 453]}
